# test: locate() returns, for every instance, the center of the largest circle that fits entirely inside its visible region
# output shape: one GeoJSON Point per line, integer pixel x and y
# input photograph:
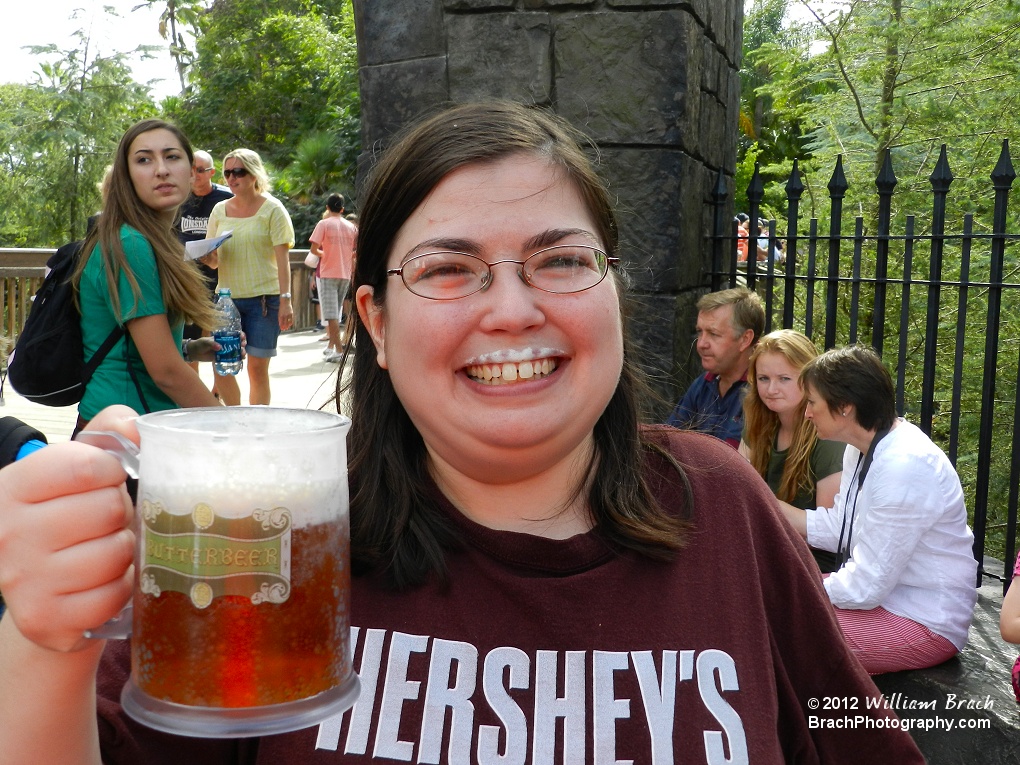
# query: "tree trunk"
{"type": "Point", "coordinates": [892, 52]}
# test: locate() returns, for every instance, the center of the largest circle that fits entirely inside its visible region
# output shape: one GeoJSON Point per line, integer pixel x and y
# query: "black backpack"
{"type": "Point", "coordinates": [48, 363]}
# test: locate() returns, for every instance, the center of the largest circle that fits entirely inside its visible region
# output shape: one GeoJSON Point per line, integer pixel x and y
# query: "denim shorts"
{"type": "Point", "coordinates": [260, 322]}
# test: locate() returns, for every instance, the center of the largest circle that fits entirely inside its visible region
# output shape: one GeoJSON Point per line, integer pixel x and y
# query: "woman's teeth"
{"type": "Point", "coordinates": [506, 372]}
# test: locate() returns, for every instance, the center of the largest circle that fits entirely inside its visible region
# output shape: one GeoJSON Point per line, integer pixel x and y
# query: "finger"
{"type": "Point", "coordinates": [54, 595]}
{"type": "Point", "coordinates": [58, 622]}
{"type": "Point", "coordinates": [90, 564]}
{"type": "Point", "coordinates": [64, 522]}
{"type": "Point", "coordinates": [57, 471]}
{"type": "Point", "coordinates": [120, 419]}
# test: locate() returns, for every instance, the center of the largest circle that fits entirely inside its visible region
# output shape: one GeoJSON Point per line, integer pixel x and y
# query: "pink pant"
{"type": "Point", "coordinates": [884, 642]}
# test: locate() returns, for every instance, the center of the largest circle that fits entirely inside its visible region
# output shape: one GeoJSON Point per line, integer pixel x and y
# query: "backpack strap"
{"type": "Point", "coordinates": [131, 371]}
{"type": "Point", "coordinates": [93, 364]}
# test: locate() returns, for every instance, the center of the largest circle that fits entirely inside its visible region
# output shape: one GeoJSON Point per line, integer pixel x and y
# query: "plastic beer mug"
{"type": "Point", "coordinates": [240, 622]}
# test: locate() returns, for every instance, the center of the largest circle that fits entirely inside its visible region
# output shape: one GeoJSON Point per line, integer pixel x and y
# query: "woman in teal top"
{"type": "Point", "coordinates": [778, 441]}
{"type": "Point", "coordinates": [136, 275]}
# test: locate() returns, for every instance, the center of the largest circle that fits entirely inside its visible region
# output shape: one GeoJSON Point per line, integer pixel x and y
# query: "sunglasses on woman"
{"type": "Point", "coordinates": [237, 172]}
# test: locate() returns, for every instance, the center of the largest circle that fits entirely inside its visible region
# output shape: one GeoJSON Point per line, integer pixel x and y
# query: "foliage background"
{"type": "Point", "coordinates": [276, 76]}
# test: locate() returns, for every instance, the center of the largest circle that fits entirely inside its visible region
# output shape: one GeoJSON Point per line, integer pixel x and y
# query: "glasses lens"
{"type": "Point", "coordinates": [566, 268]}
{"type": "Point", "coordinates": [237, 172]}
{"type": "Point", "coordinates": [444, 275]}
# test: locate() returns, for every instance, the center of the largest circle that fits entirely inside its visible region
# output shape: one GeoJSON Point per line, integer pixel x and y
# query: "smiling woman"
{"type": "Point", "coordinates": [533, 570]}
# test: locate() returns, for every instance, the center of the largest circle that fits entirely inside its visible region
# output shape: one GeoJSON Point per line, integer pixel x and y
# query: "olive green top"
{"type": "Point", "coordinates": [826, 459]}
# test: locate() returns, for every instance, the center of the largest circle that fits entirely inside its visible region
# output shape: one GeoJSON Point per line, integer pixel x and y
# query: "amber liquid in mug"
{"type": "Point", "coordinates": [234, 653]}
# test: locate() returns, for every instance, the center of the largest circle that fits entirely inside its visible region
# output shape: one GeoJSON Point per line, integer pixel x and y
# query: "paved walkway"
{"type": "Point", "coordinates": [299, 379]}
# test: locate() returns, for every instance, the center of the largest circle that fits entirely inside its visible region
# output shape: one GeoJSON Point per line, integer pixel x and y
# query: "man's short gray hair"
{"type": "Point", "coordinates": [748, 312]}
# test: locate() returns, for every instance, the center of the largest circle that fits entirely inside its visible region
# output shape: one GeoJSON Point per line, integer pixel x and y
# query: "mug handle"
{"type": "Point", "coordinates": [125, 451]}
{"type": "Point", "coordinates": [115, 444]}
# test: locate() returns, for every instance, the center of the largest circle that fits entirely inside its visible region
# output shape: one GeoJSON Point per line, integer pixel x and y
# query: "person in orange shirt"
{"type": "Point", "coordinates": [742, 223]}
{"type": "Point", "coordinates": [333, 242]}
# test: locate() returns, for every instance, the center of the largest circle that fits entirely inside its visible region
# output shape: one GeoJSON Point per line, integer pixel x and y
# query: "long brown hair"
{"type": "Point", "coordinates": [397, 528]}
{"type": "Point", "coordinates": [761, 424]}
{"type": "Point", "coordinates": [185, 294]}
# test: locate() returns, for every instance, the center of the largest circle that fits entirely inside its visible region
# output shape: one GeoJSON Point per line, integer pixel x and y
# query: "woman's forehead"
{"type": "Point", "coordinates": [517, 195]}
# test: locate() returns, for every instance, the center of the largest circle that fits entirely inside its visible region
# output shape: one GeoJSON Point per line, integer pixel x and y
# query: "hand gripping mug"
{"type": "Point", "coordinates": [240, 622]}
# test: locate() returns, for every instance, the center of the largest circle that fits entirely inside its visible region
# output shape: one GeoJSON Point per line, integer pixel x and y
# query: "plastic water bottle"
{"type": "Point", "coordinates": [228, 334]}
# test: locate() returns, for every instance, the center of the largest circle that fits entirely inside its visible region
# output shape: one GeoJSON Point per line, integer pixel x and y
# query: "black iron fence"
{"type": "Point", "coordinates": [936, 305]}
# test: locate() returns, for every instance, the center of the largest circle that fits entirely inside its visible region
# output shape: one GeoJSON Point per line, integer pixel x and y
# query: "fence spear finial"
{"type": "Point", "coordinates": [720, 192]}
{"type": "Point", "coordinates": [941, 176]}
{"type": "Point", "coordinates": [1003, 175]}
{"type": "Point", "coordinates": [886, 179]}
{"type": "Point", "coordinates": [755, 189]}
{"type": "Point", "coordinates": [837, 184]}
{"type": "Point", "coordinates": [794, 185]}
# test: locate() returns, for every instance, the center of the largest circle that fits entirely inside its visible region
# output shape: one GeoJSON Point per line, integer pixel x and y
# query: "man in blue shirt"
{"type": "Point", "coordinates": [729, 324]}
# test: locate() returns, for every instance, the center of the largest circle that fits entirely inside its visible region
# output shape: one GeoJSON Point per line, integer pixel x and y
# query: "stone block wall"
{"type": "Point", "coordinates": [655, 84]}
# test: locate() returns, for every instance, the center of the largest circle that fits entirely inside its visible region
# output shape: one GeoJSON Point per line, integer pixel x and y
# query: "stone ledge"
{"type": "Point", "coordinates": [970, 689]}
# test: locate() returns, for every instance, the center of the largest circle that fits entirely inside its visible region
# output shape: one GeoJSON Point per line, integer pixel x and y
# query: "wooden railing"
{"type": "Point", "coordinates": [23, 269]}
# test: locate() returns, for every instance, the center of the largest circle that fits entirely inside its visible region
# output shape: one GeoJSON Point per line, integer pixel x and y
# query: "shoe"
{"type": "Point", "coordinates": [327, 350]}
{"type": "Point", "coordinates": [334, 357]}
{"type": "Point", "coordinates": [324, 337]}
{"type": "Point", "coordinates": [319, 327]}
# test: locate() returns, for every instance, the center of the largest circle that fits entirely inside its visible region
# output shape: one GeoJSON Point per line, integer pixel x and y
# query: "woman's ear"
{"type": "Point", "coordinates": [374, 320]}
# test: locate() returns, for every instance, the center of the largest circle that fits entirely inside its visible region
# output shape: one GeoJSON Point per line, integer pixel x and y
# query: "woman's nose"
{"type": "Point", "coordinates": [512, 305]}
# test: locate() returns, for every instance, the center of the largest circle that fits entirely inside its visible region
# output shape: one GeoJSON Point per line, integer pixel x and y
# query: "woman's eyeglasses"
{"type": "Point", "coordinates": [237, 172]}
{"type": "Point", "coordinates": [562, 269]}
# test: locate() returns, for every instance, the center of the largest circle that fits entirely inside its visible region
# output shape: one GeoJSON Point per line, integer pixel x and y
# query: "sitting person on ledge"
{"type": "Point", "coordinates": [729, 324]}
{"type": "Point", "coordinates": [779, 442]}
{"type": "Point", "coordinates": [905, 593]}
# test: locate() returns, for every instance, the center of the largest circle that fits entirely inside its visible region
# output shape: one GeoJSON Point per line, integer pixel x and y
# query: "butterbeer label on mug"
{"type": "Point", "coordinates": [206, 556]}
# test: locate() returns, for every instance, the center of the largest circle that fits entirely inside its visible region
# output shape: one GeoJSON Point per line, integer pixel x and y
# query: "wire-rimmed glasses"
{"type": "Point", "coordinates": [561, 269]}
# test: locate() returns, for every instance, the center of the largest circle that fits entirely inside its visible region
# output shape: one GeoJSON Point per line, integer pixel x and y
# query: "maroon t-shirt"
{"type": "Point", "coordinates": [562, 651]}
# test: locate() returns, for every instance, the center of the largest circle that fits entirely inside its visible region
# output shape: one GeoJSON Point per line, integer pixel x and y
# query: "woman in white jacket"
{"type": "Point", "coordinates": [905, 594]}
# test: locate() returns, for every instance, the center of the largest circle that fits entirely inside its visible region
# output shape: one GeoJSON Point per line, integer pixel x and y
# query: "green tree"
{"type": "Point", "coordinates": [21, 107]}
{"type": "Point", "coordinates": [773, 92]}
{"type": "Point", "coordinates": [59, 134]}
{"type": "Point", "coordinates": [176, 17]}
{"type": "Point", "coordinates": [268, 73]}
{"type": "Point", "coordinates": [908, 77]}
{"type": "Point", "coordinates": [316, 166]}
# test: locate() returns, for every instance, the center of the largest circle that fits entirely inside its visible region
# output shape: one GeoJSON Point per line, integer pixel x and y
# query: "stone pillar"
{"type": "Point", "coordinates": [655, 84]}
